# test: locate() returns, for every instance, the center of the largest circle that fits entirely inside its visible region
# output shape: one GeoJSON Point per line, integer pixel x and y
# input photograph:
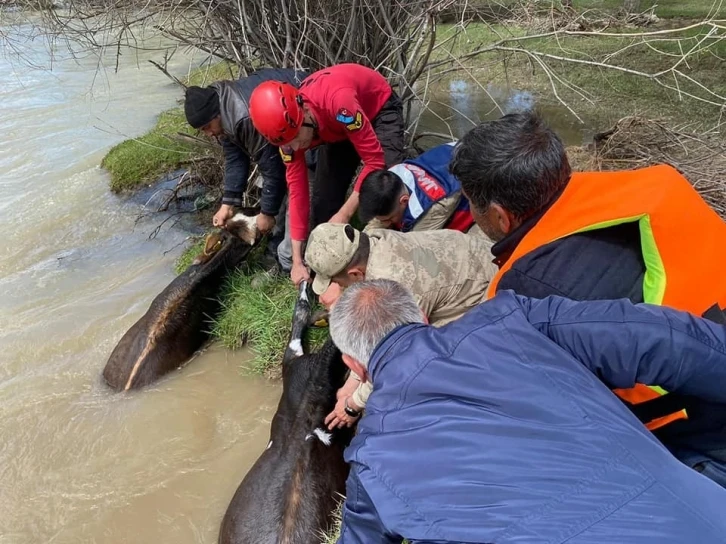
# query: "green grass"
{"type": "Point", "coordinates": [188, 255]}
{"type": "Point", "coordinates": [210, 73]}
{"type": "Point", "coordinates": [664, 8]}
{"type": "Point", "coordinates": [134, 162]}
{"type": "Point", "coordinates": [141, 160]}
{"type": "Point", "coordinates": [679, 9]}
{"type": "Point", "coordinates": [258, 311]}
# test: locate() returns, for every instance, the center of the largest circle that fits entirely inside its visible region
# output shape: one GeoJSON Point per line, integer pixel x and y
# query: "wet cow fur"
{"type": "Point", "coordinates": [291, 492]}
{"type": "Point", "coordinates": [178, 320]}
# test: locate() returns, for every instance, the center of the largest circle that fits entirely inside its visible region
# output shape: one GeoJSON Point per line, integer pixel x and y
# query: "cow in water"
{"type": "Point", "coordinates": [291, 493]}
{"type": "Point", "coordinates": [179, 319]}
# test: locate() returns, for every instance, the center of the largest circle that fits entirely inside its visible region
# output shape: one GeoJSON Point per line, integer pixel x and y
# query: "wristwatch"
{"type": "Point", "coordinates": [350, 411]}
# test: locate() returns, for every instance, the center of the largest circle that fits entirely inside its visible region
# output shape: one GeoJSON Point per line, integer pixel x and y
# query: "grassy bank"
{"type": "Point", "coordinates": [138, 161]}
{"type": "Point", "coordinates": [258, 312]}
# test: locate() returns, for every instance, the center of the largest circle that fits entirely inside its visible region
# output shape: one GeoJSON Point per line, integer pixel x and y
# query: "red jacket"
{"type": "Point", "coordinates": [343, 99]}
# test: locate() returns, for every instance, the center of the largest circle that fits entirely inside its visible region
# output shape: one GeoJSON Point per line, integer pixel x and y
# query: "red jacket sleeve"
{"type": "Point", "coordinates": [360, 133]}
{"type": "Point", "coordinates": [298, 195]}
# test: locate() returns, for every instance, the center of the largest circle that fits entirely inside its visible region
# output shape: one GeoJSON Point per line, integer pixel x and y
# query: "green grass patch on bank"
{"type": "Point", "coordinates": [258, 312]}
{"type": "Point", "coordinates": [663, 8]}
{"type": "Point", "coordinates": [188, 255]}
{"type": "Point", "coordinates": [209, 73]}
{"type": "Point", "coordinates": [135, 162]}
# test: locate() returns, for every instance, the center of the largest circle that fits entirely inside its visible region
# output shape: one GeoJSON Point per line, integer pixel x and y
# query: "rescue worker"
{"type": "Point", "coordinates": [352, 108]}
{"type": "Point", "coordinates": [445, 269]}
{"type": "Point", "coordinates": [221, 111]}
{"type": "Point", "coordinates": [644, 234]}
{"type": "Point", "coordinates": [501, 426]}
{"type": "Point", "coordinates": [417, 194]}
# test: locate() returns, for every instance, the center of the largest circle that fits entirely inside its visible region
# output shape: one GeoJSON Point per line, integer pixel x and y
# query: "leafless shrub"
{"type": "Point", "coordinates": [635, 142]}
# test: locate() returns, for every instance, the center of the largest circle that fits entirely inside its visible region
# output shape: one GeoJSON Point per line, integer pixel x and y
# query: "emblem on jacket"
{"type": "Point", "coordinates": [286, 157]}
{"type": "Point", "coordinates": [351, 122]}
{"type": "Point", "coordinates": [428, 184]}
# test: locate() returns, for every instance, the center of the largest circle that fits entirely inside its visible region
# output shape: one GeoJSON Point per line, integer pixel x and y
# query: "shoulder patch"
{"type": "Point", "coordinates": [286, 157]}
{"type": "Point", "coordinates": [427, 183]}
{"type": "Point", "coordinates": [351, 121]}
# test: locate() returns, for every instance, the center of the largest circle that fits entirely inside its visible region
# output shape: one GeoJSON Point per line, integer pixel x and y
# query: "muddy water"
{"type": "Point", "coordinates": [79, 464]}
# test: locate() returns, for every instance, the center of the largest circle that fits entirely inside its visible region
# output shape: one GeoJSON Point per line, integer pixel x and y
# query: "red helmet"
{"type": "Point", "coordinates": [276, 111]}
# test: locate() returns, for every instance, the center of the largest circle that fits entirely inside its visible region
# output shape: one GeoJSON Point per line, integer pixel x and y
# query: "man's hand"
{"type": "Point", "coordinates": [330, 296]}
{"type": "Point", "coordinates": [350, 385]}
{"type": "Point", "coordinates": [265, 223]}
{"type": "Point", "coordinates": [338, 418]}
{"type": "Point", "coordinates": [220, 218]}
{"type": "Point", "coordinates": [299, 273]}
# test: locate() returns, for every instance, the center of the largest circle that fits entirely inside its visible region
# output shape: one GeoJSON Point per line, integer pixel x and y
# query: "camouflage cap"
{"type": "Point", "coordinates": [330, 248]}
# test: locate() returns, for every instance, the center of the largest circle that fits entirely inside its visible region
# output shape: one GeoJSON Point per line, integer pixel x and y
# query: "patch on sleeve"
{"type": "Point", "coordinates": [352, 122]}
{"type": "Point", "coordinates": [286, 157]}
{"type": "Point", "coordinates": [427, 183]}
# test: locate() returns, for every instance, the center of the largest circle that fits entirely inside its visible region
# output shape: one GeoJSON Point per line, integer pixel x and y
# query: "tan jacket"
{"type": "Point", "coordinates": [447, 271]}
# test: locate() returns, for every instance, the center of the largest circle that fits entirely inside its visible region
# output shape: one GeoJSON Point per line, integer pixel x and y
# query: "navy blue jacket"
{"type": "Point", "coordinates": [501, 428]}
{"type": "Point", "coordinates": [428, 181]}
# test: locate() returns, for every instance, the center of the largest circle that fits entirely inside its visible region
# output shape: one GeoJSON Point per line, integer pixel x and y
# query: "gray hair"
{"type": "Point", "coordinates": [366, 312]}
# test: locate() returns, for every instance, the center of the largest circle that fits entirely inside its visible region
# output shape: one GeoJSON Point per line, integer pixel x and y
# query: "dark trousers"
{"type": "Point", "coordinates": [337, 163]}
{"type": "Point", "coordinates": [711, 464]}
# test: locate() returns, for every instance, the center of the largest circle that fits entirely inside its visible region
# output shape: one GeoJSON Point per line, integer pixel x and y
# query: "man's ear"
{"type": "Point", "coordinates": [356, 367]}
{"type": "Point", "coordinates": [356, 273]}
{"type": "Point", "coordinates": [503, 218]}
{"type": "Point", "coordinates": [403, 199]}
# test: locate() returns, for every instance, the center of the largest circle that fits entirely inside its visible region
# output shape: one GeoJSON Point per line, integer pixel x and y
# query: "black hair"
{"type": "Point", "coordinates": [379, 194]}
{"type": "Point", "coordinates": [516, 161]}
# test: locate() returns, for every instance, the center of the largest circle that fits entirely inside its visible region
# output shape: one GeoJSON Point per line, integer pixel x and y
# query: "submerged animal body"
{"type": "Point", "coordinates": [291, 492]}
{"type": "Point", "coordinates": [178, 320]}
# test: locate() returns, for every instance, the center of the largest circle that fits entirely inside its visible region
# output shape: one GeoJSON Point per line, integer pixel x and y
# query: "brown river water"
{"type": "Point", "coordinates": [79, 464]}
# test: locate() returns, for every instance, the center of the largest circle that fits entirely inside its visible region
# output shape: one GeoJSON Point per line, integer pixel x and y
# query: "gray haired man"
{"type": "Point", "coordinates": [447, 271]}
{"type": "Point", "coordinates": [479, 431]}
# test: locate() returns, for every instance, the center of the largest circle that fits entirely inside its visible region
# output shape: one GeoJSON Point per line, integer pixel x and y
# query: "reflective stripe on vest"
{"type": "Point", "coordinates": [683, 241]}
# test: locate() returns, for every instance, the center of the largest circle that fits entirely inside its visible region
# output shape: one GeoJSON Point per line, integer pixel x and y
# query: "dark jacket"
{"type": "Point", "coordinates": [501, 428]}
{"type": "Point", "coordinates": [242, 143]}
{"type": "Point", "coordinates": [608, 264]}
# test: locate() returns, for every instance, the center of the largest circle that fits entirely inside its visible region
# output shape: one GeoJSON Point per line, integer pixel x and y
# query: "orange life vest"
{"type": "Point", "coordinates": [683, 241]}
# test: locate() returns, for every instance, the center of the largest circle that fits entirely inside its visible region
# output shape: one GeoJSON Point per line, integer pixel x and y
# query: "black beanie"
{"type": "Point", "coordinates": [201, 105]}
